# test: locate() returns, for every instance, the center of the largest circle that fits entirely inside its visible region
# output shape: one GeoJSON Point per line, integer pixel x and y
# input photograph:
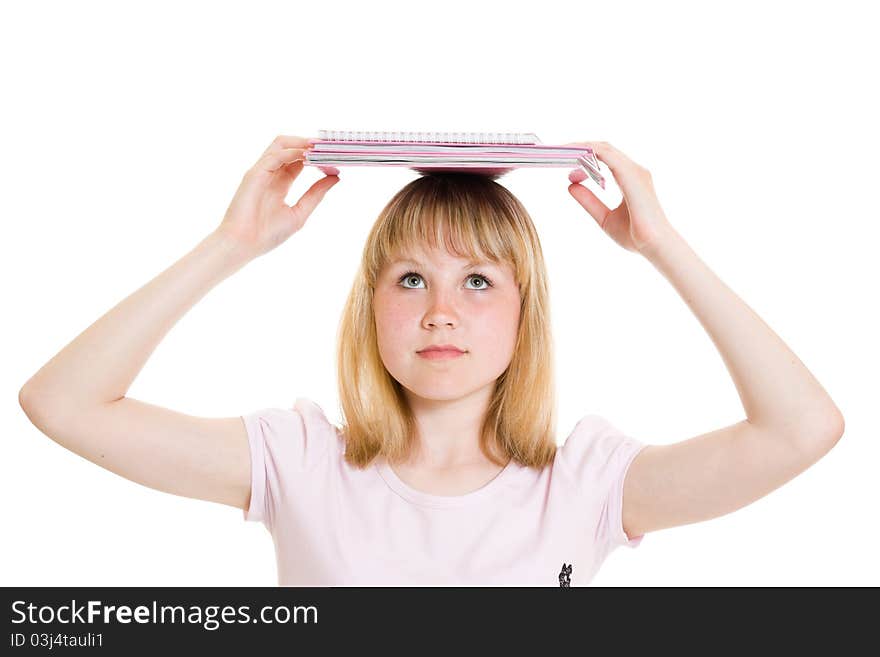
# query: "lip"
{"type": "Point", "coordinates": [442, 347]}
{"type": "Point", "coordinates": [440, 354]}
{"type": "Point", "coordinates": [440, 351]}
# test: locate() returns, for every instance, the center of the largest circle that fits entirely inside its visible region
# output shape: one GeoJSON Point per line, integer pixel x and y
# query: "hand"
{"type": "Point", "coordinates": [638, 222]}
{"type": "Point", "coordinates": [258, 219]}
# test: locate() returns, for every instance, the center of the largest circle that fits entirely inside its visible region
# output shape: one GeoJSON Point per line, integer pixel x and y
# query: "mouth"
{"type": "Point", "coordinates": [440, 354]}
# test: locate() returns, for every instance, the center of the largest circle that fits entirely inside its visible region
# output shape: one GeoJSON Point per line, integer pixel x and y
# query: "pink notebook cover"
{"type": "Point", "coordinates": [585, 157]}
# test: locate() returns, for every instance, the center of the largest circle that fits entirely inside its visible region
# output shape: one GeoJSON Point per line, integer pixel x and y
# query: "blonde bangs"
{"type": "Point", "coordinates": [462, 214]}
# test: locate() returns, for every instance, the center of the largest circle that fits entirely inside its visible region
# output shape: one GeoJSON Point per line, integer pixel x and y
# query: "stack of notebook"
{"type": "Point", "coordinates": [492, 153]}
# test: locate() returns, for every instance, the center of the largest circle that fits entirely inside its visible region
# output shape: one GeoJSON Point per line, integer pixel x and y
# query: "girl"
{"type": "Point", "coordinates": [446, 470]}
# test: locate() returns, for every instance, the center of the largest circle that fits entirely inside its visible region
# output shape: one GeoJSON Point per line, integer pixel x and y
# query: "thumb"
{"type": "Point", "coordinates": [596, 208]}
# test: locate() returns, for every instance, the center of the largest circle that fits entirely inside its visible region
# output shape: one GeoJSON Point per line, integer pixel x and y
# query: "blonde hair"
{"type": "Point", "coordinates": [468, 215]}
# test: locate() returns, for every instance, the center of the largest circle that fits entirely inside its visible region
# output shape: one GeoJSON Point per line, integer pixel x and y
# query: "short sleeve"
{"type": "Point", "coordinates": [598, 455]}
{"type": "Point", "coordinates": [285, 445]}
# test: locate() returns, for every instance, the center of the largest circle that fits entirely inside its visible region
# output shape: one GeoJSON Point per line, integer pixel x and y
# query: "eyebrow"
{"type": "Point", "coordinates": [471, 263]}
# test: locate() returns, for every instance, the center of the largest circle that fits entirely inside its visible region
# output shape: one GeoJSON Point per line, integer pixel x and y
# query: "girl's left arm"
{"type": "Point", "coordinates": [778, 393]}
{"type": "Point", "coordinates": [791, 421]}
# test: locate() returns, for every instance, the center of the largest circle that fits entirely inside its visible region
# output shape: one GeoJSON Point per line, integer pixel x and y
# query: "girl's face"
{"type": "Point", "coordinates": [434, 298]}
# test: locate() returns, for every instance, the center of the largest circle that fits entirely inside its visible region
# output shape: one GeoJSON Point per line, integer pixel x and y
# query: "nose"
{"type": "Point", "coordinates": [440, 313]}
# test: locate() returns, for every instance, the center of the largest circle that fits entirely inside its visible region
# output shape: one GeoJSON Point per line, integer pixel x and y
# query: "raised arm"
{"type": "Point", "coordinates": [203, 458]}
{"type": "Point", "coordinates": [791, 421]}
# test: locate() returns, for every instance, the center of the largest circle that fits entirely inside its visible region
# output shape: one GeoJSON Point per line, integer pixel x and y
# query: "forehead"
{"type": "Point", "coordinates": [441, 261]}
{"type": "Point", "coordinates": [428, 255]}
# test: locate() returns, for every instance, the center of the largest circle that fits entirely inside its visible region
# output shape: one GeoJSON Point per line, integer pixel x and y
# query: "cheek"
{"type": "Point", "coordinates": [497, 326]}
{"type": "Point", "coordinates": [393, 320]}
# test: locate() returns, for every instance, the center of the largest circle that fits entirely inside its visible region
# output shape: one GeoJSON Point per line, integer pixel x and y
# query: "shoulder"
{"type": "Point", "coordinates": [295, 436]}
{"type": "Point", "coordinates": [596, 451]}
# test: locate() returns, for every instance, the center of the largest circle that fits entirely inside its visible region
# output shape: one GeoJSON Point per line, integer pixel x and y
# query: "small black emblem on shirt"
{"type": "Point", "coordinates": [565, 576]}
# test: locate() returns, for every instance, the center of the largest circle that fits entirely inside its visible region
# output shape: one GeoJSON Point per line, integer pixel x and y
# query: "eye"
{"type": "Point", "coordinates": [484, 281]}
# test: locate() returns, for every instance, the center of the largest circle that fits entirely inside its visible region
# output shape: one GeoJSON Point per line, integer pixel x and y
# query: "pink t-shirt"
{"type": "Point", "coordinates": [336, 525]}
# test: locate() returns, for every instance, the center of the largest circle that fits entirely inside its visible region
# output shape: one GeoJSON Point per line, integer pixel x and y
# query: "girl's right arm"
{"type": "Point", "coordinates": [78, 397]}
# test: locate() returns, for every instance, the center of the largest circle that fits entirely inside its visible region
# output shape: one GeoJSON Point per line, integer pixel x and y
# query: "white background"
{"type": "Point", "coordinates": [126, 131]}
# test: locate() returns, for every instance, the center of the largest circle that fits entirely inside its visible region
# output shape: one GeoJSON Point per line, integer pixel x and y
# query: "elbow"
{"type": "Point", "coordinates": [827, 430]}
{"type": "Point", "coordinates": [31, 394]}
{"type": "Point", "coordinates": [28, 400]}
{"type": "Point", "coordinates": [35, 402]}
{"type": "Point", "coordinates": [26, 397]}
{"type": "Point", "coordinates": [838, 426]}
{"type": "Point", "coordinates": [833, 424]}
{"type": "Point", "coordinates": [818, 432]}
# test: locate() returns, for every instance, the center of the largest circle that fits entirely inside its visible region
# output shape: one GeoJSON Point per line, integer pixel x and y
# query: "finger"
{"type": "Point", "coordinates": [622, 167]}
{"type": "Point", "coordinates": [610, 155]}
{"type": "Point", "coordinates": [274, 160]}
{"type": "Point", "coordinates": [594, 207]}
{"type": "Point", "coordinates": [284, 176]}
{"type": "Point", "coordinates": [312, 196]}
{"type": "Point", "coordinates": [577, 175]}
{"type": "Point", "coordinates": [615, 160]}
{"type": "Point", "coordinates": [590, 145]}
{"type": "Point", "coordinates": [288, 141]}
{"type": "Point", "coordinates": [579, 143]}
{"type": "Point", "coordinates": [582, 144]}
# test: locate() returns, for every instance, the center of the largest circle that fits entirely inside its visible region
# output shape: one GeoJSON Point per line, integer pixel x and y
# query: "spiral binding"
{"type": "Point", "coordinates": [431, 137]}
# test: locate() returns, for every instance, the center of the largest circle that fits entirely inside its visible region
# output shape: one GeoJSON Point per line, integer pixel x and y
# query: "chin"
{"type": "Point", "coordinates": [441, 390]}
{"type": "Point", "coordinates": [443, 398]}
{"type": "Point", "coordinates": [437, 393]}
